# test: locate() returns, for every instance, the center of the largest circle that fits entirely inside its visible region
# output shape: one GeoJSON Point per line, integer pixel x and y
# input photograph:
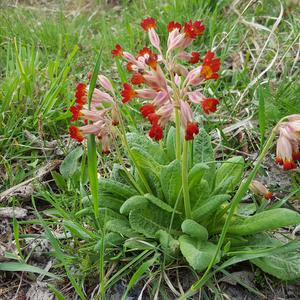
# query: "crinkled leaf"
{"type": "Point", "coordinates": [169, 245]}
{"type": "Point", "coordinates": [170, 178]}
{"type": "Point", "coordinates": [199, 194]}
{"type": "Point", "coordinates": [203, 153]}
{"type": "Point", "coordinates": [171, 143]}
{"type": "Point", "coordinates": [232, 168]}
{"type": "Point", "coordinates": [145, 160]}
{"type": "Point", "coordinates": [110, 186]}
{"type": "Point", "coordinates": [153, 149]}
{"type": "Point", "coordinates": [148, 221]}
{"type": "Point", "coordinates": [161, 204]}
{"type": "Point", "coordinates": [134, 202]}
{"type": "Point", "coordinates": [196, 173]}
{"type": "Point", "coordinates": [121, 227]}
{"type": "Point", "coordinates": [209, 207]}
{"type": "Point", "coordinates": [70, 164]}
{"type": "Point", "coordinates": [266, 220]}
{"type": "Point", "coordinates": [197, 253]}
{"type": "Point", "coordinates": [194, 230]}
{"type": "Point", "coordinates": [285, 266]}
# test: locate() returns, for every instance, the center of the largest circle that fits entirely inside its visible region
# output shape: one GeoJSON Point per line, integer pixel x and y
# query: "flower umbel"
{"type": "Point", "coordinates": [165, 83]}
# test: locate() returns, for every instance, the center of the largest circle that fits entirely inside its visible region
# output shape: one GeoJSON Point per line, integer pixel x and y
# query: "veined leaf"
{"type": "Point", "coordinates": [145, 160]}
{"type": "Point", "coordinates": [266, 220]}
{"type": "Point", "coordinates": [70, 164]}
{"type": "Point", "coordinates": [171, 143]}
{"type": "Point", "coordinates": [121, 227]}
{"type": "Point", "coordinates": [203, 153]}
{"type": "Point", "coordinates": [209, 207]}
{"type": "Point", "coordinates": [199, 193]}
{"type": "Point", "coordinates": [197, 253]}
{"type": "Point", "coordinates": [232, 168]}
{"type": "Point", "coordinates": [196, 173]}
{"type": "Point", "coordinates": [159, 203]}
{"type": "Point", "coordinates": [153, 149]}
{"type": "Point", "coordinates": [134, 202]}
{"type": "Point", "coordinates": [116, 188]}
{"type": "Point", "coordinates": [148, 221]}
{"type": "Point", "coordinates": [194, 230]}
{"type": "Point", "coordinates": [170, 178]}
{"type": "Point", "coordinates": [169, 245]}
{"type": "Point", "coordinates": [285, 266]}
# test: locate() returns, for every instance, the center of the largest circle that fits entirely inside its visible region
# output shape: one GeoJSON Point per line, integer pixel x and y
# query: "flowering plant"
{"type": "Point", "coordinates": [175, 192]}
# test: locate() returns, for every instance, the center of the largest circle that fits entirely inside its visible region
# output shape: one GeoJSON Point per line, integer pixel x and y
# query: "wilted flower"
{"type": "Point", "coordinates": [287, 151]}
{"type": "Point", "coordinates": [259, 189]}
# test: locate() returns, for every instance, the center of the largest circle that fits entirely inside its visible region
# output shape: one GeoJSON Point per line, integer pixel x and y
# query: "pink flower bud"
{"type": "Point", "coordinates": [194, 77]}
{"type": "Point", "coordinates": [105, 83]}
{"type": "Point", "coordinates": [146, 93]}
{"type": "Point", "coordinates": [186, 113]}
{"type": "Point", "coordinates": [154, 39]}
{"type": "Point", "coordinates": [196, 97]}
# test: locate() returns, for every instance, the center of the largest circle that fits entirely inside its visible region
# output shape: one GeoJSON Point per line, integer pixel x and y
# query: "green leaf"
{"type": "Point", "coordinates": [266, 220]}
{"type": "Point", "coordinates": [194, 230]}
{"type": "Point", "coordinates": [22, 267]}
{"type": "Point", "coordinates": [203, 153]}
{"type": "Point", "coordinates": [197, 253]}
{"type": "Point", "coordinates": [116, 188]}
{"type": "Point", "coordinates": [78, 230]}
{"type": "Point", "coordinates": [134, 202]}
{"type": "Point", "coordinates": [145, 160]}
{"type": "Point", "coordinates": [140, 244]}
{"type": "Point", "coordinates": [70, 164]}
{"type": "Point", "coordinates": [170, 178]}
{"type": "Point", "coordinates": [153, 149]}
{"type": "Point", "coordinates": [285, 266]}
{"type": "Point", "coordinates": [209, 207]}
{"type": "Point", "coordinates": [199, 193]}
{"type": "Point", "coordinates": [148, 221]}
{"type": "Point", "coordinates": [171, 143]}
{"type": "Point", "coordinates": [168, 244]}
{"type": "Point", "coordinates": [159, 203]}
{"type": "Point", "coordinates": [232, 168]}
{"type": "Point", "coordinates": [121, 227]}
{"type": "Point", "coordinates": [196, 173]}
{"type": "Point", "coordinates": [59, 181]}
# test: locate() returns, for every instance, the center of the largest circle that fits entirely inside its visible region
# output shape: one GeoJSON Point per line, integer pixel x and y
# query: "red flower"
{"type": "Point", "coordinates": [193, 30]}
{"type": "Point", "coordinates": [144, 51]}
{"type": "Point", "coordinates": [153, 118]}
{"type": "Point", "coordinates": [209, 105]}
{"type": "Point", "coordinates": [76, 134]}
{"type": "Point", "coordinates": [296, 155]}
{"type": "Point", "coordinates": [173, 25]}
{"type": "Point", "coordinates": [289, 165]}
{"type": "Point", "coordinates": [210, 66]}
{"type": "Point", "coordinates": [118, 51]}
{"type": "Point", "coordinates": [80, 94]}
{"type": "Point", "coordinates": [148, 23]}
{"type": "Point", "coordinates": [75, 110]}
{"type": "Point", "coordinates": [156, 132]}
{"type": "Point", "coordinates": [191, 130]}
{"type": "Point", "coordinates": [127, 93]}
{"type": "Point", "coordinates": [147, 109]}
{"type": "Point", "coordinates": [268, 196]}
{"type": "Point", "coordinates": [137, 79]}
{"type": "Point", "coordinates": [129, 67]}
{"type": "Point", "coordinates": [195, 57]}
{"type": "Point", "coordinates": [152, 61]}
